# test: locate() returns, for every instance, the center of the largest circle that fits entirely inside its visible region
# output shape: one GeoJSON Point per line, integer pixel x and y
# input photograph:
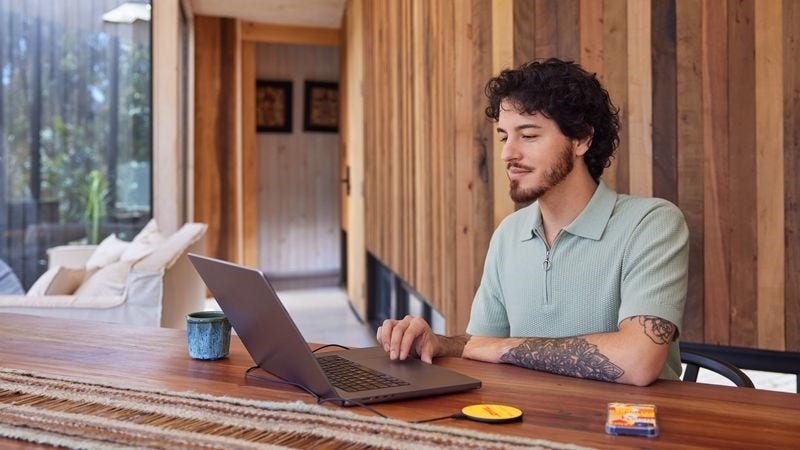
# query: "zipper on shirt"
{"type": "Point", "coordinates": [547, 264]}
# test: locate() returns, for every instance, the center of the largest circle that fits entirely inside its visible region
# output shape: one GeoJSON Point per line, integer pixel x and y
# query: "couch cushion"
{"type": "Point", "coordinates": [58, 280]}
{"type": "Point", "coordinates": [150, 235]}
{"type": "Point", "coordinates": [169, 252]}
{"type": "Point", "coordinates": [107, 282]}
{"type": "Point", "coordinates": [109, 251]}
{"type": "Point", "coordinates": [135, 252]}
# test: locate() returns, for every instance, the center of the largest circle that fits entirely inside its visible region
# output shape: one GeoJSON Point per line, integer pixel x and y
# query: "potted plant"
{"type": "Point", "coordinates": [95, 205]}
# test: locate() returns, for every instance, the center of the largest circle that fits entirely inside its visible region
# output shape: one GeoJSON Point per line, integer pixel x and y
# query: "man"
{"type": "Point", "coordinates": [583, 282]}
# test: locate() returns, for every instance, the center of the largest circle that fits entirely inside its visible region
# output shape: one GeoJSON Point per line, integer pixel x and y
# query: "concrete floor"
{"type": "Point", "coordinates": [324, 315]}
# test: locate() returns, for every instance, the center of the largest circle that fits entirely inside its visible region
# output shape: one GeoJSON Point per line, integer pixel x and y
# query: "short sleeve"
{"type": "Point", "coordinates": [488, 316]}
{"type": "Point", "coordinates": [655, 266]}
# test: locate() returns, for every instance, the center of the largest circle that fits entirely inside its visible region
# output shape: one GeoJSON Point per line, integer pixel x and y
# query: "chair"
{"type": "Point", "coordinates": [160, 289]}
{"type": "Point", "coordinates": [695, 361]}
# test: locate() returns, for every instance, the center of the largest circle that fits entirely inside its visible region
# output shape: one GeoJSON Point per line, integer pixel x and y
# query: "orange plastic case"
{"type": "Point", "coordinates": [631, 419]}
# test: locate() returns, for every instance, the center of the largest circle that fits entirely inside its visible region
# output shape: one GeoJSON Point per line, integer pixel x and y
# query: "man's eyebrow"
{"type": "Point", "coordinates": [520, 127]}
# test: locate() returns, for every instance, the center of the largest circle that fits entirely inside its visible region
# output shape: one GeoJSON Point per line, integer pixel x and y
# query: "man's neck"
{"type": "Point", "coordinates": [564, 202]}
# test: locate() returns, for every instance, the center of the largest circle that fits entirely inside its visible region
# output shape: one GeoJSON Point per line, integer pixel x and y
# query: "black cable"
{"type": "Point", "coordinates": [330, 345]}
{"type": "Point", "coordinates": [284, 382]}
{"type": "Point", "coordinates": [451, 416]}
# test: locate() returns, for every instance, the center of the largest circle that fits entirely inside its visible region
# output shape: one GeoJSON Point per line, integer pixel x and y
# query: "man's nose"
{"type": "Point", "coordinates": [509, 152]}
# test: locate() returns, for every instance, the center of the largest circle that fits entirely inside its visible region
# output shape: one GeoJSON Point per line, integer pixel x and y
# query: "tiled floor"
{"type": "Point", "coordinates": [324, 315]}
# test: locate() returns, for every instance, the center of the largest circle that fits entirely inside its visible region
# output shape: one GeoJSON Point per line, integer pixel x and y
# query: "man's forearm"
{"type": "Point", "coordinates": [575, 357]}
{"type": "Point", "coordinates": [452, 345]}
{"type": "Point", "coordinates": [635, 354]}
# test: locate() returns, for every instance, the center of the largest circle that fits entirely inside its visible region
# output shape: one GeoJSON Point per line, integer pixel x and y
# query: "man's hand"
{"type": "Point", "coordinates": [412, 335]}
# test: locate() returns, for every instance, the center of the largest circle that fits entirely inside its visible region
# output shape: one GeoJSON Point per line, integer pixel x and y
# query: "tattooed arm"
{"type": "Point", "coordinates": [633, 355]}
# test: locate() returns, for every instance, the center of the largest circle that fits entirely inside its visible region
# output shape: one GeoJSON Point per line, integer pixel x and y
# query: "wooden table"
{"type": "Point", "coordinates": [556, 408]}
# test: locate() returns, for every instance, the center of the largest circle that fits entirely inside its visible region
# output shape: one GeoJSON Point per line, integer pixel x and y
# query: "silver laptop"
{"type": "Point", "coordinates": [365, 375]}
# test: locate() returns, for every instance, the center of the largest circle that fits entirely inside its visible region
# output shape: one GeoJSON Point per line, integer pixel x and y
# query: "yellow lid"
{"type": "Point", "coordinates": [492, 413]}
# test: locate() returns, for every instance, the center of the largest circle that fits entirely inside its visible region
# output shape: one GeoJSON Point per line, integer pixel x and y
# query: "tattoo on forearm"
{"type": "Point", "coordinates": [659, 331]}
{"type": "Point", "coordinates": [569, 356]}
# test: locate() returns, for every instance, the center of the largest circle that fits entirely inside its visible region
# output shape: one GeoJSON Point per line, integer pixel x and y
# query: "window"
{"type": "Point", "coordinates": [75, 119]}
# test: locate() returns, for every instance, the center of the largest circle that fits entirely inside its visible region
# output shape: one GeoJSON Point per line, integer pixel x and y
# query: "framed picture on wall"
{"type": "Point", "coordinates": [273, 106]}
{"type": "Point", "coordinates": [321, 106]}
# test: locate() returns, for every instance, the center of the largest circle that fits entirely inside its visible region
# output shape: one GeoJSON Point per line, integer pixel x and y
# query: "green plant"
{"type": "Point", "coordinates": [95, 205]}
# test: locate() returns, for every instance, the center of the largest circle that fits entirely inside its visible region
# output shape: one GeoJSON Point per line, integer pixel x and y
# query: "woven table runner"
{"type": "Point", "coordinates": [80, 414]}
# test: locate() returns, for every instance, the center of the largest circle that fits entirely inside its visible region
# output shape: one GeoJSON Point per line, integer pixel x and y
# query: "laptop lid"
{"type": "Point", "coordinates": [271, 337]}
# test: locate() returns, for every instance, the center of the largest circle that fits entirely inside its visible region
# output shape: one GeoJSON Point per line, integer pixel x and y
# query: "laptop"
{"type": "Point", "coordinates": [363, 375]}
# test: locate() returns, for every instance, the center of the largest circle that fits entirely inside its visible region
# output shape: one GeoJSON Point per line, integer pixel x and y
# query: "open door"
{"type": "Point", "coordinates": [352, 156]}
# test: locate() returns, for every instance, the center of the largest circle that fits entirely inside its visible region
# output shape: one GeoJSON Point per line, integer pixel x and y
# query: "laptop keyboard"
{"type": "Point", "coordinates": [353, 377]}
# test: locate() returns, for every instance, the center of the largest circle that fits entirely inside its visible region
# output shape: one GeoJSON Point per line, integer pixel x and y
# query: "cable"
{"type": "Point", "coordinates": [451, 416]}
{"type": "Point", "coordinates": [284, 382]}
{"type": "Point", "coordinates": [329, 345]}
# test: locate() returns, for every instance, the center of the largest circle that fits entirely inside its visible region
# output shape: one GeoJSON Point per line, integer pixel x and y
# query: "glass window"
{"type": "Point", "coordinates": [75, 119]}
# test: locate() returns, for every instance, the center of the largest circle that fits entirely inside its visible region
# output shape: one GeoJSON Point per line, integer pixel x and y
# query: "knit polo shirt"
{"type": "Point", "coordinates": [623, 256]}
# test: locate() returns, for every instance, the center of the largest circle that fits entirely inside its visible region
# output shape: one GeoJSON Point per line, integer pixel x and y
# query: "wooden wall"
{"type": "Point", "coordinates": [216, 154]}
{"type": "Point", "coordinates": [298, 172]}
{"type": "Point", "coordinates": [709, 93]}
{"type": "Point", "coordinates": [426, 146]}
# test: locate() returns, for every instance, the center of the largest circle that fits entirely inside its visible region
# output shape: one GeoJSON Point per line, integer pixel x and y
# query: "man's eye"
{"type": "Point", "coordinates": [529, 136]}
{"type": "Point", "coordinates": [503, 138]}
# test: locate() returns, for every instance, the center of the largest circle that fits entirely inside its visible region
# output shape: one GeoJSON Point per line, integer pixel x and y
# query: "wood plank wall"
{"type": "Point", "coordinates": [425, 64]}
{"type": "Point", "coordinates": [215, 163]}
{"type": "Point", "coordinates": [709, 96]}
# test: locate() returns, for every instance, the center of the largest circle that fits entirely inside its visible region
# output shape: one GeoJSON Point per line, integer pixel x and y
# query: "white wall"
{"type": "Point", "coordinates": [298, 173]}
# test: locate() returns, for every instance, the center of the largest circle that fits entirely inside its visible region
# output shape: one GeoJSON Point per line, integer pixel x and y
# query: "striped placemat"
{"type": "Point", "coordinates": [76, 413]}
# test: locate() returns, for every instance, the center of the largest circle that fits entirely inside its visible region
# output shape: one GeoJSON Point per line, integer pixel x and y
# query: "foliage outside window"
{"type": "Point", "coordinates": [74, 99]}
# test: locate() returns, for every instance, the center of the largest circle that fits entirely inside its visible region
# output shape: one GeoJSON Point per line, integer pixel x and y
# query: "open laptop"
{"type": "Point", "coordinates": [364, 375]}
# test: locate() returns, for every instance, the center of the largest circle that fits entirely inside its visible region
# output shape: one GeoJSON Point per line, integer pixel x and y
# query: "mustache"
{"type": "Point", "coordinates": [518, 166]}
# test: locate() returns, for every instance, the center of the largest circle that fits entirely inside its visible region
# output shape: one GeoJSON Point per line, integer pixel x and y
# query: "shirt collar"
{"type": "Point", "coordinates": [590, 223]}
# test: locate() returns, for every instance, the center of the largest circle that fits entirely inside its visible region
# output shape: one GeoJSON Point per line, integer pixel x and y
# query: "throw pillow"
{"type": "Point", "coordinates": [58, 280]}
{"type": "Point", "coordinates": [150, 235]}
{"type": "Point", "coordinates": [135, 252]}
{"type": "Point", "coordinates": [107, 252]}
{"type": "Point", "coordinates": [108, 281]}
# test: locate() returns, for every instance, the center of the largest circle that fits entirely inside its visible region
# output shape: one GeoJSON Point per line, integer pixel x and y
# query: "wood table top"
{"type": "Point", "coordinates": [556, 408]}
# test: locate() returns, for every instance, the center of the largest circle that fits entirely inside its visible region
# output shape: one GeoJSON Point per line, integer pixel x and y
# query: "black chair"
{"type": "Point", "coordinates": [695, 361]}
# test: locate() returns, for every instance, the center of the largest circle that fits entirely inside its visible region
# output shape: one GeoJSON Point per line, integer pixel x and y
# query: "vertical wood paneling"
{"type": "Point", "coordinates": [640, 108]}
{"type": "Point", "coordinates": [215, 134]}
{"type": "Point", "coordinates": [742, 145]}
{"type": "Point", "coordinates": [791, 121]}
{"type": "Point", "coordinates": [353, 138]}
{"type": "Point", "coordinates": [615, 75]}
{"type": "Point", "coordinates": [769, 172]}
{"type": "Point", "coordinates": [473, 143]}
{"type": "Point", "coordinates": [709, 102]}
{"type": "Point", "coordinates": [524, 31]}
{"type": "Point", "coordinates": [665, 114]}
{"type": "Point", "coordinates": [591, 36]}
{"type": "Point", "coordinates": [569, 30]}
{"type": "Point", "coordinates": [502, 58]}
{"type": "Point", "coordinates": [716, 175]}
{"type": "Point", "coordinates": [545, 29]}
{"type": "Point", "coordinates": [249, 156]}
{"type": "Point", "coordinates": [689, 134]}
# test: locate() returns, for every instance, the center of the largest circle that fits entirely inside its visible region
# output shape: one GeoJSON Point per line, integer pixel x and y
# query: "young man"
{"type": "Point", "coordinates": [583, 282]}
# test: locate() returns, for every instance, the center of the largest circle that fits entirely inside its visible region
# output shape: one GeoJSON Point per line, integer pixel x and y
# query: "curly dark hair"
{"type": "Point", "coordinates": [567, 94]}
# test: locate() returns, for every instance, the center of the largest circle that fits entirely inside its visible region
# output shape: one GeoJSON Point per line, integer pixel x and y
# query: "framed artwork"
{"type": "Point", "coordinates": [321, 106]}
{"type": "Point", "coordinates": [273, 106]}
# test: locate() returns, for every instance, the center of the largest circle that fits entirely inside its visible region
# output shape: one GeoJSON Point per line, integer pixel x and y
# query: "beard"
{"type": "Point", "coordinates": [552, 176]}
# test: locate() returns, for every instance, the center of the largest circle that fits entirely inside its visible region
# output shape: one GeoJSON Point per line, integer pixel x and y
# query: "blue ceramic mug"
{"type": "Point", "coordinates": [208, 335]}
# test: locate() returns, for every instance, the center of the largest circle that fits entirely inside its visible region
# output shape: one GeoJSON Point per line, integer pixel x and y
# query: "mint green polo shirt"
{"type": "Point", "coordinates": [623, 256]}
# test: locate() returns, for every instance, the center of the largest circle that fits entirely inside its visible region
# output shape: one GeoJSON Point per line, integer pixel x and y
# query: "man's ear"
{"type": "Point", "coordinates": [582, 145]}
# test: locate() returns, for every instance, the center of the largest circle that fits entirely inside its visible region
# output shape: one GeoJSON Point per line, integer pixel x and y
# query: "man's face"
{"type": "Point", "coordinates": [537, 155]}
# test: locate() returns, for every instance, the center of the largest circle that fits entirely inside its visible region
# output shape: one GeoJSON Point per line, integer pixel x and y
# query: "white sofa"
{"type": "Point", "coordinates": [160, 289]}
